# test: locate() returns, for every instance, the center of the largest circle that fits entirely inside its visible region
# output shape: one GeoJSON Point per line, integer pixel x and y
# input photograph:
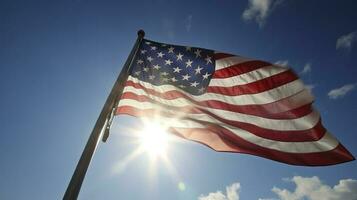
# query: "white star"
{"type": "Point", "coordinates": [148, 43]}
{"type": "Point", "coordinates": [140, 61]}
{"type": "Point", "coordinates": [150, 58]}
{"type": "Point", "coordinates": [179, 56]}
{"type": "Point", "coordinates": [198, 53]}
{"type": "Point", "coordinates": [206, 75]}
{"type": "Point", "coordinates": [208, 59]}
{"type": "Point", "coordinates": [165, 79]}
{"type": "Point", "coordinates": [202, 89]}
{"type": "Point", "coordinates": [173, 79]}
{"type": "Point", "coordinates": [188, 48]}
{"type": "Point", "coordinates": [177, 69]}
{"type": "Point", "coordinates": [164, 73]}
{"type": "Point", "coordinates": [160, 55]}
{"type": "Point", "coordinates": [182, 86]}
{"type": "Point", "coordinates": [168, 62]}
{"type": "Point", "coordinates": [186, 77]}
{"type": "Point", "coordinates": [198, 70]}
{"type": "Point", "coordinates": [171, 50]}
{"type": "Point", "coordinates": [156, 67]}
{"type": "Point", "coordinates": [143, 51]}
{"type": "Point", "coordinates": [188, 63]}
{"type": "Point", "coordinates": [153, 48]}
{"type": "Point", "coordinates": [146, 69]}
{"type": "Point", "coordinates": [151, 77]}
{"type": "Point", "coordinates": [194, 84]}
{"type": "Point", "coordinates": [137, 73]}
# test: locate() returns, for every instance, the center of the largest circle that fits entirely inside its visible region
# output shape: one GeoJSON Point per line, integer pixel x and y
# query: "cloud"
{"type": "Point", "coordinates": [232, 193]}
{"type": "Point", "coordinates": [346, 41]}
{"type": "Point", "coordinates": [307, 68]}
{"type": "Point", "coordinates": [340, 92]}
{"type": "Point", "coordinates": [188, 23]}
{"type": "Point", "coordinates": [259, 10]}
{"type": "Point", "coordinates": [312, 188]}
{"type": "Point", "coordinates": [310, 87]}
{"type": "Point", "coordinates": [283, 63]}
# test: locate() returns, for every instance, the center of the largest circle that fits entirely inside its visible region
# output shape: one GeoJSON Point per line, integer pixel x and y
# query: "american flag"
{"type": "Point", "coordinates": [229, 103]}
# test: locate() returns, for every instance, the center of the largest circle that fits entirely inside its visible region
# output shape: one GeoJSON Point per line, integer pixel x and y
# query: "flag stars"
{"type": "Point", "coordinates": [152, 77]}
{"type": "Point", "coordinates": [198, 53]}
{"type": "Point", "coordinates": [160, 55]}
{"type": "Point", "coordinates": [148, 43]}
{"type": "Point", "coordinates": [177, 70]}
{"type": "Point", "coordinates": [182, 86]}
{"type": "Point", "coordinates": [188, 63]}
{"type": "Point", "coordinates": [205, 76]}
{"type": "Point", "coordinates": [149, 58]}
{"type": "Point", "coordinates": [179, 56]}
{"type": "Point", "coordinates": [157, 67]}
{"type": "Point", "coordinates": [137, 73]}
{"type": "Point", "coordinates": [194, 84]}
{"type": "Point", "coordinates": [143, 51]}
{"type": "Point", "coordinates": [198, 70]}
{"type": "Point", "coordinates": [164, 73]}
{"type": "Point", "coordinates": [188, 48]}
{"type": "Point", "coordinates": [146, 69]}
{"type": "Point", "coordinates": [165, 80]}
{"type": "Point", "coordinates": [171, 50]}
{"type": "Point", "coordinates": [173, 79]}
{"type": "Point", "coordinates": [201, 90]}
{"type": "Point", "coordinates": [186, 77]}
{"type": "Point", "coordinates": [139, 61]}
{"type": "Point", "coordinates": [168, 62]}
{"type": "Point", "coordinates": [153, 48]}
{"type": "Point", "coordinates": [208, 59]}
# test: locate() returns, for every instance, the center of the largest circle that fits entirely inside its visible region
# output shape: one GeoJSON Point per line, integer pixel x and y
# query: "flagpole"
{"type": "Point", "coordinates": [78, 176]}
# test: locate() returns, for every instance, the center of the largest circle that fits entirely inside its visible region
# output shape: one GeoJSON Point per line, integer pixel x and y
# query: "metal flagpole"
{"type": "Point", "coordinates": [103, 122]}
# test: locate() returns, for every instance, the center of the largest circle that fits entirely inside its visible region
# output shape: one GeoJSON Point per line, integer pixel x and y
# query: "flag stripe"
{"type": "Point", "coordinates": [226, 70]}
{"type": "Point", "coordinates": [302, 123]}
{"type": "Point", "coordinates": [258, 86]}
{"type": "Point", "coordinates": [326, 143]}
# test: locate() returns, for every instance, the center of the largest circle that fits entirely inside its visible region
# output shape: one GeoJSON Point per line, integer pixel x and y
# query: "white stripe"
{"type": "Point", "coordinates": [248, 77]}
{"type": "Point", "coordinates": [227, 62]}
{"type": "Point", "coordinates": [304, 123]}
{"type": "Point", "coordinates": [326, 143]}
{"type": "Point", "coordinates": [265, 97]}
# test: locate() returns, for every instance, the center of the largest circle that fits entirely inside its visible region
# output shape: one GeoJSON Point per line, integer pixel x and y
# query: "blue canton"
{"type": "Point", "coordinates": [187, 68]}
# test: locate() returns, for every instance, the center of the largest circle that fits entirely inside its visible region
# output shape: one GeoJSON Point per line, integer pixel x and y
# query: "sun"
{"type": "Point", "coordinates": [154, 139]}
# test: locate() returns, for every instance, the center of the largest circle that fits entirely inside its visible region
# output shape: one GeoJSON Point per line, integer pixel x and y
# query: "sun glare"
{"type": "Point", "coordinates": [154, 139]}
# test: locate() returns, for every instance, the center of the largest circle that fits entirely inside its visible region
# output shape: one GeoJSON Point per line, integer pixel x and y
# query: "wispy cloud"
{"type": "Point", "coordinates": [283, 63]}
{"type": "Point", "coordinates": [313, 188]}
{"type": "Point", "coordinates": [188, 23]}
{"type": "Point", "coordinates": [341, 91]}
{"type": "Point", "coordinates": [306, 69]}
{"type": "Point", "coordinates": [259, 10]}
{"type": "Point", "coordinates": [232, 193]}
{"type": "Point", "coordinates": [346, 41]}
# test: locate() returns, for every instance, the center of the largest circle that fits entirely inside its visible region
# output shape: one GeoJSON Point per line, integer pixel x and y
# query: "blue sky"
{"type": "Point", "coordinates": [59, 60]}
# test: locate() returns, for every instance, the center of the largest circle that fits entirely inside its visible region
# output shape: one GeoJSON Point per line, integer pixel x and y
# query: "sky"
{"type": "Point", "coordinates": [59, 60]}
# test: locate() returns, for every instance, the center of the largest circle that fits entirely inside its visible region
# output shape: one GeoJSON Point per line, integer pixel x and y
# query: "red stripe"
{"type": "Point", "coordinates": [240, 68]}
{"type": "Point", "coordinates": [280, 109]}
{"type": "Point", "coordinates": [218, 56]}
{"type": "Point", "coordinates": [313, 134]}
{"type": "Point", "coordinates": [257, 86]}
{"type": "Point", "coordinates": [229, 142]}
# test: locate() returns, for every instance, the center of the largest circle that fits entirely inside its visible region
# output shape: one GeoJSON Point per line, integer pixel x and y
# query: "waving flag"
{"type": "Point", "coordinates": [229, 103]}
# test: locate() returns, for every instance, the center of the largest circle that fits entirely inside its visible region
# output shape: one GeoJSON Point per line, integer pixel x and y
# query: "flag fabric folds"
{"type": "Point", "coordinates": [229, 103]}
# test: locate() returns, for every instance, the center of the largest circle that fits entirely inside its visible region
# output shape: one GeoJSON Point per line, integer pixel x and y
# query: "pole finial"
{"type": "Point", "coordinates": [141, 33]}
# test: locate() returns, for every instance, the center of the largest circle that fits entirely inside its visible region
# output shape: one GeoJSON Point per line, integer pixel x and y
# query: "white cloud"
{"type": "Point", "coordinates": [310, 87]}
{"type": "Point", "coordinates": [259, 10]}
{"type": "Point", "coordinates": [283, 63]}
{"type": "Point", "coordinates": [232, 193]}
{"type": "Point", "coordinates": [307, 68]}
{"type": "Point", "coordinates": [188, 23]}
{"type": "Point", "coordinates": [346, 41]}
{"type": "Point", "coordinates": [340, 92]}
{"type": "Point", "coordinates": [312, 188]}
